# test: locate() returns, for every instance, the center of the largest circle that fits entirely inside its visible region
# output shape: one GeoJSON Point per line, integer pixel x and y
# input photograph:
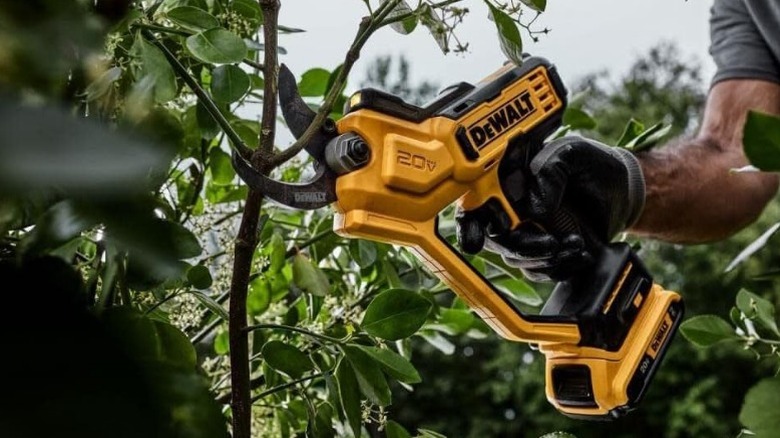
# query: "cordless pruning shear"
{"type": "Point", "coordinates": [389, 167]}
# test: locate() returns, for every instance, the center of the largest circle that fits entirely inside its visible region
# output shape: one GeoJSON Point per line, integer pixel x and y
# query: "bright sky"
{"type": "Point", "coordinates": [586, 36]}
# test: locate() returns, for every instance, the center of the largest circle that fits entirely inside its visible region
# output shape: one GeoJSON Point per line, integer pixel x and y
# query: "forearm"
{"type": "Point", "coordinates": [692, 195]}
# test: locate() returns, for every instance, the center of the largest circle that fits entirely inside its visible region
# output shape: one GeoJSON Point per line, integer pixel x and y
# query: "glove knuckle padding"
{"type": "Point", "coordinates": [602, 185]}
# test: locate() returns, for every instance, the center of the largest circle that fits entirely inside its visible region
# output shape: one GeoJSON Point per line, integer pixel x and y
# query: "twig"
{"type": "Point", "coordinates": [276, 389]}
{"type": "Point", "coordinates": [296, 330]}
{"type": "Point", "coordinates": [158, 28]}
{"type": "Point", "coordinates": [254, 64]}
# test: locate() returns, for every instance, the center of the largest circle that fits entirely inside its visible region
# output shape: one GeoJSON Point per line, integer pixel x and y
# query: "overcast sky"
{"type": "Point", "coordinates": [586, 36]}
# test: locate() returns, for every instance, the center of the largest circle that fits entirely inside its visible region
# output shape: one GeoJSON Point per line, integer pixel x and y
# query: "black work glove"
{"type": "Point", "coordinates": [577, 195]}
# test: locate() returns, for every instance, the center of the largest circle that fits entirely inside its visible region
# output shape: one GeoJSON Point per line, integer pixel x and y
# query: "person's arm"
{"type": "Point", "coordinates": [692, 196]}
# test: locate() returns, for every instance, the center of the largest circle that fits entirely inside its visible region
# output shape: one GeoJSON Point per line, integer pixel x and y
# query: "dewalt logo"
{"type": "Point", "coordinates": [494, 124]}
{"type": "Point", "coordinates": [660, 336]}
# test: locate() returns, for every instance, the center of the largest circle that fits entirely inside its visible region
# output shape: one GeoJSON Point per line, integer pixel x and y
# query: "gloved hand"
{"type": "Point", "coordinates": [578, 195]}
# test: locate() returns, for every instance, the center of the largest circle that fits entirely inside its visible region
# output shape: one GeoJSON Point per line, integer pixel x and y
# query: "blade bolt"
{"type": "Point", "coordinates": [329, 126]}
{"type": "Point", "coordinates": [357, 150]}
{"type": "Point", "coordinates": [347, 152]}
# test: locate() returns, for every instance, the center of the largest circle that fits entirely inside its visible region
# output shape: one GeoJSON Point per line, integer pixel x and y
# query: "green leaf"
{"type": "Point", "coordinates": [761, 409]}
{"type": "Point", "coordinates": [761, 140]}
{"type": "Point", "coordinates": [286, 358]}
{"type": "Point", "coordinates": [519, 290]}
{"type": "Point", "coordinates": [192, 18]}
{"type": "Point", "coordinates": [259, 297]}
{"type": "Point", "coordinates": [103, 84]}
{"type": "Point", "coordinates": [222, 172]}
{"type": "Point", "coordinates": [332, 80]}
{"type": "Point", "coordinates": [314, 82]}
{"type": "Point", "coordinates": [758, 309]}
{"type": "Point", "coordinates": [459, 320]}
{"type": "Point", "coordinates": [222, 343]}
{"type": "Point", "coordinates": [217, 46]}
{"type": "Point", "coordinates": [175, 346]}
{"type": "Point", "coordinates": [363, 252]}
{"type": "Point", "coordinates": [349, 395]}
{"type": "Point", "coordinates": [649, 137]}
{"type": "Point", "coordinates": [288, 29]}
{"type": "Point", "coordinates": [430, 19]}
{"type": "Point", "coordinates": [369, 376]}
{"type": "Point", "coordinates": [210, 304]}
{"type": "Point", "coordinates": [229, 83]}
{"type": "Point", "coordinates": [199, 277]}
{"type": "Point", "coordinates": [736, 318]}
{"type": "Point", "coordinates": [578, 119]}
{"type": "Point", "coordinates": [754, 246]}
{"type": "Point", "coordinates": [308, 277]}
{"type": "Point", "coordinates": [395, 430]}
{"type": "Point", "coordinates": [393, 364]}
{"type": "Point", "coordinates": [632, 130]}
{"type": "Point", "coordinates": [60, 223]}
{"type": "Point", "coordinates": [427, 433]}
{"type": "Point", "coordinates": [395, 314]}
{"type": "Point", "coordinates": [250, 10]}
{"type": "Point", "coordinates": [406, 26]}
{"type": "Point", "coordinates": [209, 128]}
{"type": "Point", "coordinates": [537, 5]}
{"type": "Point", "coordinates": [508, 34]}
{"type": "Point", "coordinates": [276, 253]}
{"type": "Point", "coordinates": [706, 330]}
{"type": "Point", "coordinates": [150, 340]}
{"type": "Point", "coordinates": [156, 68]}
{"type": "Point", "coordinates": [322, 424]}
{"type": "Point", "coordinates": [438, 342]}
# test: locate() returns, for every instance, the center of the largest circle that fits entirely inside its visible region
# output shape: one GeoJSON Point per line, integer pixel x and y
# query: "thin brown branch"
{"type": "Point", "coordinates": [254, 64]}
{"type": "Point", "coordinates": [279, 388]}
{"type": "Point", "coordinates": [247, 240]}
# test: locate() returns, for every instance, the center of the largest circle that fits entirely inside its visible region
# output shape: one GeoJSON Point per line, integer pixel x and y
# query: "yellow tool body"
{"type": "Point", "coordinates": [393, 167]}
{"type": "Point", "coordinates": [418, 169]}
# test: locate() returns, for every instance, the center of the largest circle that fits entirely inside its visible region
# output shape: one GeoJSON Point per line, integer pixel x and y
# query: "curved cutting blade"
{"type": "Point", "coordinates": [299, 116]}
{"type": "Point", "coordinates": [316, 193]}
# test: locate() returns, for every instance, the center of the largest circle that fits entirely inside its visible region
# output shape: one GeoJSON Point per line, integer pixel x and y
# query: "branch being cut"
{"type": "Point", "coordinates": [367, 27]}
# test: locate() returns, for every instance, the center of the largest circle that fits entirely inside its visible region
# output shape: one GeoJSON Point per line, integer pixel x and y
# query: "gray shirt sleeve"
{"type": "Point", "coordinates": [737, 45]}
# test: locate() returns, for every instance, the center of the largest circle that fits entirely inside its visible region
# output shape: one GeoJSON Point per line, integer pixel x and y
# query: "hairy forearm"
{"type": "Point", "coordinates": [694, 197]}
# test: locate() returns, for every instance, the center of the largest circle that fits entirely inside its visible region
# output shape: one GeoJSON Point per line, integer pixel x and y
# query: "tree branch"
{"type": "Point", "coordinates": [247, 240]}
{"type": "Point", "coordinates": [296, 330]}
{"type": "Point", "coordinates": [276, 389]}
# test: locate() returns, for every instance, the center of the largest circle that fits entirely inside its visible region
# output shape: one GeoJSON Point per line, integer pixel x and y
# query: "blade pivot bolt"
{"type": "Point", "coordinates": [346, 153]}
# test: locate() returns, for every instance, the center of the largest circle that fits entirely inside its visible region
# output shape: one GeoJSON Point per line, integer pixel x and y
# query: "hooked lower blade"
{"type": "Point", "coordinates": [319, 192]}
